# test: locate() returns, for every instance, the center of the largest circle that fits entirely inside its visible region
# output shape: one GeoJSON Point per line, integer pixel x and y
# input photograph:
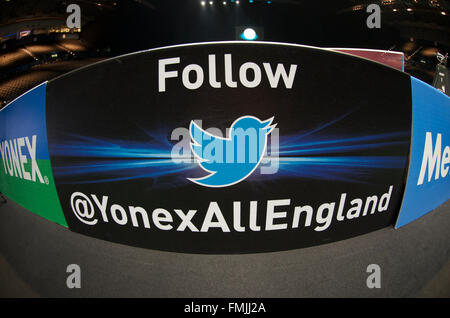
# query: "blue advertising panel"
{"type": "Point", "coordinates": [428, 183]}
{"type": "Point", "coordinates": [25, 171]}
{"type": "Point", "coordinates": [26, 115]}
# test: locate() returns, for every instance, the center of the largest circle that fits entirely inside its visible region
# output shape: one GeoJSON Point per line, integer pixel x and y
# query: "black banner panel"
{"type": "Point", "coordinates": [229, 147]}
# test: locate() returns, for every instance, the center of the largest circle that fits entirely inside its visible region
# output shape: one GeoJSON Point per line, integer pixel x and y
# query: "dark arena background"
{"type": "Point", "coordinates": [109, 110]}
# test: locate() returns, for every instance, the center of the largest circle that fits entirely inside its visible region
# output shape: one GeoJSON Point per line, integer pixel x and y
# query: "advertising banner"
{"type": "Point", "coordinates": [231, 147]}
{"type": "Point", "coordinates": [25, 171]}
{"type": "Point", "coordinates": [441, 79]}
{"type": "Point", "coordinates": [428, 183]}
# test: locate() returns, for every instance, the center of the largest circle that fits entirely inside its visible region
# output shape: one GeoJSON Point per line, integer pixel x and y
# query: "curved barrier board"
{"type": "Point", "coordinates": [229, 147]}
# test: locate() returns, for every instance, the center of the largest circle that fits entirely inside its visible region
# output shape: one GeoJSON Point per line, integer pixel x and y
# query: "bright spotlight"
{"type": "Point", "coordinates": [237, 1]}
{"type": "Point", "coordinates": [224, 3]}
{"type": "Point", "coordinates": [210, 3]}
{"type": "Point", "coordinates": [203, 3]}
{"type": "Point", "coordinates": [249, 34]}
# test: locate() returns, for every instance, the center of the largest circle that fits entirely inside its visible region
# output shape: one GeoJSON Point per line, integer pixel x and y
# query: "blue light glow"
{"type": "Point", "coordinates": [311, 154]}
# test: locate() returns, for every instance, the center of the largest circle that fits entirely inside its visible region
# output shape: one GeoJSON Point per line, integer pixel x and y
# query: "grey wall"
{"type": "Point", "coordinates": [34, 254]}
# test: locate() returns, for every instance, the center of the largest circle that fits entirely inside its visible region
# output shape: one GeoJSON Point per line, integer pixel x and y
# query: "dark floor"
{"type": "Point", "coordinates": [34, 255]}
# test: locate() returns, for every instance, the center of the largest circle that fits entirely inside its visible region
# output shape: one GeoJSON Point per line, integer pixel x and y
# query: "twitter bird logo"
{"type": "Point", "coordinates": [232, 159]}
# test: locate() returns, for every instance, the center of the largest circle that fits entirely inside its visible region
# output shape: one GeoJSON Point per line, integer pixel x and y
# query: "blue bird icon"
{"type": "Point", "coordinates": [231, 159]}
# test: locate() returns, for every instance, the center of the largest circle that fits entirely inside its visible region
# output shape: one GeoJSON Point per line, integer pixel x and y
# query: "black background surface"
{"type": "Point", "coordinates": [115, 97]}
